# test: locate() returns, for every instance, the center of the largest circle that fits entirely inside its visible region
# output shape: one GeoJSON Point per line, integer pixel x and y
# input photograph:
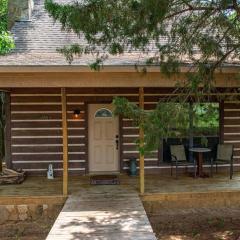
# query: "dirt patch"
{"type": "Point", "coordinates": [197, 224]}
{"type": "Point", "coordinates": [26, 230]}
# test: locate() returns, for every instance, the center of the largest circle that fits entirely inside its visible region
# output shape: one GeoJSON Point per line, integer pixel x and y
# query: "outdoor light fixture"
{"type": "Point", "coordinates": [76, 113]}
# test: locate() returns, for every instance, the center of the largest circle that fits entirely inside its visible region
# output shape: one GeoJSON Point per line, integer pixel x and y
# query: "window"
{"type": "Point", "coordinates": [103, 113]}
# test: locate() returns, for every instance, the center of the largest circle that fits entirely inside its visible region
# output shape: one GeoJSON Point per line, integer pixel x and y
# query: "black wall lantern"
{"type": "Point", "coordinates": [76, 113]}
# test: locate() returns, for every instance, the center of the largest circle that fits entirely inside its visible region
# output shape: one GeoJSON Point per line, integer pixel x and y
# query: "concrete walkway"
{"type": "Point", "coordinates": [102, 213]}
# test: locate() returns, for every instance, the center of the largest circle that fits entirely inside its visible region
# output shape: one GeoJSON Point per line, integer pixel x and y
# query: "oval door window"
{"type": "Point", "coordinates": [103, 113]}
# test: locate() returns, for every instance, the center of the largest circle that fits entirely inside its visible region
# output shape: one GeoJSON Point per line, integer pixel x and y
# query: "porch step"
{"type": "Point", "coordinates": [102, 212]}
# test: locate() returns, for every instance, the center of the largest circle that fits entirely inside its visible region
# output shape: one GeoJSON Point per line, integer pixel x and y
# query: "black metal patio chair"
{"type": "Point", "coordinates": [224, 156]}
{"type": "Point", "coordinates": [178, 158]}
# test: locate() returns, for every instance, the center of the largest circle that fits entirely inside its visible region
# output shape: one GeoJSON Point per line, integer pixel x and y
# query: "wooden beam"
{"type": "Point", "coordinates": [107, 68]}
{"type": "Point", "coordinates": [141, 139]}
{"type": "Point", "coordinates": [65, 142]}
{"type": "Point", "coordinates": [86, 137]}
{"type": "Point", "coordinates": [120, 131]}
{"type": "Point", "coordinates": [221, 121]}
{"type": "Point", "coordinates": [38, 200]}
{"type": "Point", "coordinates": [190, 112]}
{"type": "Point", "coordinates": [103, 79]}
{"type": "Point", "coordinates": [7, 133]}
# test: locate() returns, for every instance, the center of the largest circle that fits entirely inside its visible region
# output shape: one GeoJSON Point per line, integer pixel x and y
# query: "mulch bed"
{"type": "Point", "coordinates": [26, 230]}
{"type": "Point", "coordinates": [201, 224]}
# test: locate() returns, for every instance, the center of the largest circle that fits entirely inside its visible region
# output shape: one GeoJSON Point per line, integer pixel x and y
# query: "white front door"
{"type": "Point", "coordinates": [103, 139]}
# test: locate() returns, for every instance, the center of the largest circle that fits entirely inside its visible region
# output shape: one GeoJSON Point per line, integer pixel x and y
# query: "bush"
{"type": "Point", "coordinates": [6, 42]}
{"type": "Point", "coordinates": [6, 39]}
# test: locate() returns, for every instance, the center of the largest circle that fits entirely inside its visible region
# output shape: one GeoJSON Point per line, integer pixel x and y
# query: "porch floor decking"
{"type": "Point", "coordinates": [102, 213]}
{"type": "Point", "coordinates": [40, 186]}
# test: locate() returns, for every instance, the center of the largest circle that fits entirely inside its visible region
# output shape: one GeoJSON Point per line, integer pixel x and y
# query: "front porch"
{"type": "Point", "coordinates": [120, 205]}
{"type": "Point", "coordinates": [154, 184]}
{"type": "Point", "coordinates": [42, 129]}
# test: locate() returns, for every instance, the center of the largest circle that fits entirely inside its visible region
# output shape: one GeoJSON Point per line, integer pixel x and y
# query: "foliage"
{"type": "Point", "coordinates": [206, 119]}
{"type": "Point", "coordinates": [3, 14]}
{"type": "Point", "coordinates": [6, 42]}
{"type": "Point", "coordinates": [169, 119]}
{"type": "Point", "coordinates": [6, 39]}
{"type": "Point", "coordinates": [168, 33]}
{"type": "Point", "coordinates": [172, 32]}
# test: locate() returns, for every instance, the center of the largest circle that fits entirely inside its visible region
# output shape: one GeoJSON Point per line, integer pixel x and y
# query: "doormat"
{"type": "Point", "coordinates": [104, 180]}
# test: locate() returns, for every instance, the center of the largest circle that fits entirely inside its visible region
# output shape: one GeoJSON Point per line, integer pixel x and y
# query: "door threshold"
{"type": "Point", "coordinates": [103, 173]}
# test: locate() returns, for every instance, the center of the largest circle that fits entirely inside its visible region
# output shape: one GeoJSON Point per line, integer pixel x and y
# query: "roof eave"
{"type": "Point", "coordinates": [106, 68]}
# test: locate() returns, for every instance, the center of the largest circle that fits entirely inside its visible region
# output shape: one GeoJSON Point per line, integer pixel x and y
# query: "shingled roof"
{"type": "Point", "coordinates": [37, 40]}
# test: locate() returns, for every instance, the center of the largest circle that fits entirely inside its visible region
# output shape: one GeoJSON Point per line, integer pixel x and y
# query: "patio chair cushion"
{"type": "Point", "coordinates": [179, 152]}
{"type": "Point", "coordinates": [224, 152]}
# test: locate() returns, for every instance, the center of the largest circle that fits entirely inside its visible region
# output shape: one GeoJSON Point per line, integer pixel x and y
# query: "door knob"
{"type": "Point", "coordinates": [117, 142]}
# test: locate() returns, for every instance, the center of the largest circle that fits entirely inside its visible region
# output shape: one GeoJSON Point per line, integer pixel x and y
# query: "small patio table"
{"type": "Point", "coordinates": [200, 152]}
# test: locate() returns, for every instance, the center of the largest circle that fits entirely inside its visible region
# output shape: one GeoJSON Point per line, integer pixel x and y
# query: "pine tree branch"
{"type": "Point", "coordinates": [200, 8]}
{"type": "Point", "coordinates": [222, 59]}
{"type": "Point", "coordinates": [187, 3]}
{"type": "Point", "coordinates": [236, 7]}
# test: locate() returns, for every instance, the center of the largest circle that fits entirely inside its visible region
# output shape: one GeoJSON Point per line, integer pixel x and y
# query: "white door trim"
{"type": "Point", "coordinates": [103, 157]}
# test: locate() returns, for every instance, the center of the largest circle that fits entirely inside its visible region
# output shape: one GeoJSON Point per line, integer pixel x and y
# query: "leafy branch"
{"type": "Point", "coordinates": [6, 39]}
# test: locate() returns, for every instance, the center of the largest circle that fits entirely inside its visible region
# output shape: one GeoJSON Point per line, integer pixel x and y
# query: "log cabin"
{"type": "Point", "coordinates": [61, 114]}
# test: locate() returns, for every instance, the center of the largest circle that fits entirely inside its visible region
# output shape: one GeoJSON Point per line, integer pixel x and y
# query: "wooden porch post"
{"type": "Point", "coordinates": [7, 133]}
{"type": "Point", "coordinates": [65, 142]}
{"type": "Point", "coordinates": [190, 129]}
{"type": "Point", "coordinates": [141, 139]}
{"type": "Point", "coordinates": [221, 121]}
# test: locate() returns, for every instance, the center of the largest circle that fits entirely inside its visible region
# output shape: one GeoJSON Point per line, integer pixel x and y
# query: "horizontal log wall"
{"type": "Point", "coordinates": [231, 121]}
{"type": "Point", "coordinates": [130, 133]}
{"type": "Point", "coordinates": [36, 132]}
{"type": "Point", "coordinates": [36, 127]}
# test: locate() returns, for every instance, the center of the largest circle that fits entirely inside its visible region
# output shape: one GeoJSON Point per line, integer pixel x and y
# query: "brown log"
{"type": "Point", "coordinates": [9, 176]}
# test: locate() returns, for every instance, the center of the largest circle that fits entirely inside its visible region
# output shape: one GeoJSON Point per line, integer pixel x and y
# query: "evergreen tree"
{"type": "Point", "coordinates": [205, 33]}
{"type": "Point", "coordinates": [202, 34]}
